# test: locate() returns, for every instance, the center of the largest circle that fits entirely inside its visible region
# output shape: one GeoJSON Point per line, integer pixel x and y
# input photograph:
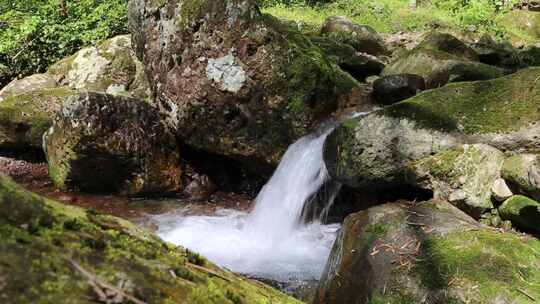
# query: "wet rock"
{"type": "Point", "coordinates": [28, 84]}
{"type": "Point", "coordinates": [522, 211]}
{"type": "Point", "coordinates": [427, 252]}
{"type": "Point", "coordinates": [24, 118]}
{"type": "Point", "coordinates": [110, 67]}
{"type": "Point", "coordinates": [104, 143]}
{"type": "Point", "coordinates": [522, 172]}
{"type": "Point", "coordinates": [234, 82]}
{"type": "Point", "coordinates": [464, 176]}
{"type": "Point", "coordinates": [362, 37]}
{"type": "Point", "coordinates": [375, 150]}
{"type": "Point", "coordinates": [200, 188]}
{"type": "Point", "coordinates": [394, 88]}
{"type": "Point", "coordinates": [55, 252]}
{"type": "Point", "coordinates": [498, 54]}
{"type": "Point", "coordinates": [441, 59]}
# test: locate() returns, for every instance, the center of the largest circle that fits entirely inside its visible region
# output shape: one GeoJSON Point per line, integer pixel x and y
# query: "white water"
{"type": "Point", "coordinates": [271, 242]}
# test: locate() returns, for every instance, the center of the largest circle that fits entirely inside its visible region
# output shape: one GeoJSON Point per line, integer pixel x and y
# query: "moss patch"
{"type": "Point", "coordinates": [500, 105]}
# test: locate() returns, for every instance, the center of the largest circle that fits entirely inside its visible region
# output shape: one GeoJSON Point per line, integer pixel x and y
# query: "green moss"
{"type": "Point", "coordinates": [522, 211]}
{"type": "Point", "coordinates": [25, 117]}
{"type": "Point", "coordinates": [42, 241]}
{"type": "Point", "coordinates": [509, 263]}
{"type": "Point", "coordinates": [500, 105]}
{"type": "Point", "coordinates": [442, 164]}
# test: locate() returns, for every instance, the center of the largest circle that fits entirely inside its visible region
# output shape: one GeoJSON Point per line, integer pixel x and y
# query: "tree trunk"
{"type": "Point", "coordinates": [413, 4]}
{"type": "Point", "coordinates": [63, 8]}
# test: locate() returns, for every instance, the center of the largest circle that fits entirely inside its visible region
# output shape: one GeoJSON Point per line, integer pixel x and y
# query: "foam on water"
{"type": "Point", "coordinates": [271, 242]}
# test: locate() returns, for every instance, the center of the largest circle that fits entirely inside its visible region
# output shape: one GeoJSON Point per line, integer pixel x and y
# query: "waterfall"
{"type": "Point", "coordinates": [279, 205]}
{"type": "Point", "coordinates": [273, 241]}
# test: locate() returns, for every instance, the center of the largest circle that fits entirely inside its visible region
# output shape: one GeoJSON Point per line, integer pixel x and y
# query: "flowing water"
{"type": "Point", "coordinates": [272, 242]}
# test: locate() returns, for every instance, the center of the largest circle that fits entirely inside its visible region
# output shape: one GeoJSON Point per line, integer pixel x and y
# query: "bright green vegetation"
{"type": "Point", "coordinates": [51, 253]}
{"type": "Point", "coordinates": [34, 34]}
{"type": "Point", "coordinates": [389, 16]}
{"type": "Point", "coordinates": [483, 265]}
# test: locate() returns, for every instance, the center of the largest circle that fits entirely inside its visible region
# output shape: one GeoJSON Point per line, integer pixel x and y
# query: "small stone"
{"type": "Point", "coordinates": [500, 190]}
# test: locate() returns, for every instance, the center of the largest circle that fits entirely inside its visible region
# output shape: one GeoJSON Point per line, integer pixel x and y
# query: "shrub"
{"type": "Point", "coordinates": [36, 33]}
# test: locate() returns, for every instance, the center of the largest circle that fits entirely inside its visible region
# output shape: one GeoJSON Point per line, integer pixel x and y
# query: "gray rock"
{"type": "Point", "coordinates": [394, 88]}
{"type": "Point", "coordinates": [28, 84]}
{"type": "Point", "coordinates": [522, 172]}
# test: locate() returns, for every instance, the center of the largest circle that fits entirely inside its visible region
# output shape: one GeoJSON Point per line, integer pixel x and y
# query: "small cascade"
{"type": "Point", "coordinates": [274, 241]}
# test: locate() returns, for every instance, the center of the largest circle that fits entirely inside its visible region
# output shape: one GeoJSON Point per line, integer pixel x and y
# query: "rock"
{"type": "Point", "coordinates": [523, 26]}
{"type": "Point", "coordinates": [103, 143]}
{"type": "Point", "coordinates": [522, 211]}
{"type": "Point", "coordinates": [25, 117]}
{"type": "Point", "coordinates": [28, 84]}
{"type": "Point", "coordinates": [5, 75]}
{"type": "Point", "coordinates": [522, 172]}
{"type": "Point", "coordinates": [375, 150]}
{"type": "Point", "coordinates": [200, 188]}
{"type": "Point", "coordinates": [500, 190]}
{"type": "Point", "coordinates": [234, 82]}
{"type": "Point", "coordinates": [447, 43]}
{"type": "Point", "coordinates": [498, 54]}
{"type": "Point", "coordinates": [394, 88]}
{"type": "Point", "coordinates": [432, 60]}
{"type": "Point", "coordinates": [428, 252]}
{"type": "Point", "coordinates": [51, 253]}
{"type": "Point", "coordinates": [359, 65]}
{"type": "Point", "coordinates": [110, 67]}
{"type": "Point", "coordinates": [464, 176]}
{"type": "Point", "coordinates": [362, 37]}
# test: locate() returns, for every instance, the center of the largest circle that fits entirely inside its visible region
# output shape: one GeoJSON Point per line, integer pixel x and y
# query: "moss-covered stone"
{"type": "Point", "coordinates": [112, 144]}
{"type": "Point", "coordinates": [234, 81]}
{"type": "Point", "coordinates": [51, 253]}
{"type": "Point", "coordinates": [24, 118]}
{"type": "Point", "coordinates": [28, 84]}
{"type": "Point", "coordinates": [440, 59]}
{"type": "Point", "coordinates": [111, 67]}
{"type": "Point", "coordinates": [522, 172]}
{"type": "Point", "coordinates": [428, 252]}
{"type": "Point", "coordinates": [464, 176]}
{"type": "Point", "coordinates": [523, 26]}
{"type": "Point", "coordinates": [522, 211]}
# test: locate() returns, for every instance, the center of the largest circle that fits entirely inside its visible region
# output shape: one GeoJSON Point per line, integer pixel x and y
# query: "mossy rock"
{"type": "Point", "coordinates": [112, 144]}
{"type": "Point", "coordinates": [110, 67]}
{"type": "Point", "coordinates": [522, 172]}
{"type": "Point", "coordinates": [464, 176]}
{"type": "Point", "coordinates": [233, 81]}
{"type": "Point", "coordinates": [28, 84]}
{"type": "Point", "coordinates": [24, 118]}
{"type": "Point", "coordinates": [51, 253]}
{"type": "Point", "coordinates": [522, 211]}
{"type": "Point", "coordinates": [428, 252]}
{"type": "Point", "coordinates": [523, 26]}
{"type": "Point", "coordinates": [440, 59]}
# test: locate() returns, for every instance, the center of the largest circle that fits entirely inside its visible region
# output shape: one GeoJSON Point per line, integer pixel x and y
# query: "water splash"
{"type": "Point", "coordinates": [271, 242]}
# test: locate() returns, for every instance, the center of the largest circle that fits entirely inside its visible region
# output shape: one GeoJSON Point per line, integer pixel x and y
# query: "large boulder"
{"type": "Point", "coordinates": [522, 211]}
{"type": "Point", "coordinates": [110, 67]}
{"type": "Point", "coordinates": [440, 59]}
{"type": "Point", "coordinates": [28, 84]}
{"type": "Point", "coordinates": [52, 253]}
{"type": "Point", "coordinates": [105, 143]}
{"type": "Point", "coordinates": [376, 149]}
{"type": "Point", "coordinates": [465, 176]}
{"type": "Point", "coordinates": [362, 37]}
{"type": "Point", "coordinates": [234, 82]}
{"type": "Point", "coordinates": [522, 172]}
{"type": "Point", "coordinates": [24, 118]}
{"type": "Point", "coordinates": [428, 252]}
{"type": "Point", "coordinates": [28, 105]}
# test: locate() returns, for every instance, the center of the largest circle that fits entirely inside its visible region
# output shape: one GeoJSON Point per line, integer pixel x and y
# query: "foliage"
{"type": "Point", "coordinates": [35, 33]}
{"type": "Point", "coordinates": [389, 16]}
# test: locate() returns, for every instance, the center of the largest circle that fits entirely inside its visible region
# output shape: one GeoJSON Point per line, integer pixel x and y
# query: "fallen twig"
{"type": "Point", "coordinates": [209, 271]}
